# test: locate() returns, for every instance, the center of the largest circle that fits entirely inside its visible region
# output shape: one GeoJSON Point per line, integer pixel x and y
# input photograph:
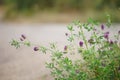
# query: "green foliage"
{"type": "Point", "coordinates": [15, 43]}
{"type": "Point", "coordinates": [28, 7]}
{"type": "Point", "coordinates": [22, 41]}
{"type": "Point", "coordinates": [99, 54]}
{"type": "Point", "coordinates": [63, 4]}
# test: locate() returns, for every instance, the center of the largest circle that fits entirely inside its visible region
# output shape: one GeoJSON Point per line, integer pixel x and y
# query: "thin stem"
{"type": "Point", "coordinates": [83, 36]}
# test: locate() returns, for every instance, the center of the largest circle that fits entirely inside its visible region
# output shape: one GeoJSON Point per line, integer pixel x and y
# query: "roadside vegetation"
{"type": "Point", "coordinates": [98, 55]}
{"type": "Point", "coordinates": [29, 7]}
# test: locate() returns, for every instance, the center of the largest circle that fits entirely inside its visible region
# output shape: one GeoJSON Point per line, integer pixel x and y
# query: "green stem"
{"type": "Point", "coordinates": [83, 37]}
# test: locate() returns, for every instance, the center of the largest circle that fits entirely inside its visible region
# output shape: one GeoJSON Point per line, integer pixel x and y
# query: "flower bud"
{"type": "Point", "coordinates": [81, 44]}
{"type": "Point", "coordinates": [23, 36]}
{"type": "Point", "coordinates": [107, 32]}
{"type": "Point", "coordinates": [119, 32]}
{"type": "Point", "coordinates": [36, 48]}
{"type": "Point", "coordinates": [106, 35]}
{"type": "Point", "coordinates": [102, 27]}
{"type": "Point", "coordinates": [111, 42]}
{"type": "Point", "coordinates": [65, 48]}
{"type": "Point", "coordinates": [21, 39]}
{"type": "Point", "coordinates": [66, 34]}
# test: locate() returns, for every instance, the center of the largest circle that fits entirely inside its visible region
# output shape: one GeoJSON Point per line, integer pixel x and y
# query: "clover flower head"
{"type": "Point", "coordinates": [21, 39]}
{"type": "Point", "coordinates": [107, 32]}
{"type": "Point", "coordinates": [119, 32]}
{"type": "Point", "coordinates": [65, 48]}
{"type": "Point", "coordinates": [102, 27]}
{"type": "Point", "coordinates": [23, 36]}
{"type": "Point", "coordinates": [111, 42]}
{"type": "Point", "coordinates": [36, 48]}
{"type": "Point", "coordinates": [66, 34]}
{"type": "Point", "coordinates": [106, 36]}
{"type": "Point", "coordinates": [81, 44]}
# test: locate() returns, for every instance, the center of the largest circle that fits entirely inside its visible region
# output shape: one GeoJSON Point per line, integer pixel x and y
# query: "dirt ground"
{"type": "Point", "coordinates": [24, 63]}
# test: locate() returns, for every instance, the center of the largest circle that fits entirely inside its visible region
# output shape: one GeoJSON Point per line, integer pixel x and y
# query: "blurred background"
{"type": "Point", "coordinates": [42, 22]}
{"type": "Point", "coordinates": [59, 10]}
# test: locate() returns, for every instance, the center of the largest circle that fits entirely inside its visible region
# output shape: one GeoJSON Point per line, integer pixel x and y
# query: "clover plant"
{"type": "Point", "coordinates": [98, 53]}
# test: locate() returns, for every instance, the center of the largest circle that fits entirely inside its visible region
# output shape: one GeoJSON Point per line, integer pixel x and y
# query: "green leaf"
{"type": "Point", "coordinates": [70, 27]}
{"type": "Point", "coordinates": [27, 43]}
{"type": "Point", "coordinates": [70, 38]}
{"type": "Point", "coordinates": [109, 22]}
{"type": "Point", "coordinates": [92, 21]}
{"type": "Point", "coordinates": [57, 54]}
{"type": "Point", "coordinates": [76, 22]}
{"type": "Point", "coordinates": [52, 45]}
{"type": "Point", "coordinates": [43, 49]}
{"type": "Point", "coordinates": [50, 65]}
{"type": "Point", "coordinates": [15, 43]}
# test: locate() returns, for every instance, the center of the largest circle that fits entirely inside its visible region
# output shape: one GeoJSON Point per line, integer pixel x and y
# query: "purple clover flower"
{"type": "Point", "coordinates": [36, 48]}
{"type": "Point", "coordinates": [66, 34]}
{"type": "Point", "coordinates": [102, 27]}
{"type": "Point", "coordinates": [65, 48]}
{"type": "Point", "coordinates": [23, 36]}
{"type": "Point", "coordinates": [81, 44]}
{"type": "Point", "coordinates": [107, 32]}
{"type": "Point", "coordinates": [106, 35]}
{"type": "Point", "coordinates": [119, 32]}
{"type": "Point", "coordinates": [111, 42]}
{"type": "Point", "coordinates": [21, 39]}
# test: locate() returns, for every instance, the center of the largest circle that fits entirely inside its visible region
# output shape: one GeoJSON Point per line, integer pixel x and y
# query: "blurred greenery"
{"type": "Point", "coordinates": [62, 4]}
{"type": "Point", "coordinates": [111, 6]}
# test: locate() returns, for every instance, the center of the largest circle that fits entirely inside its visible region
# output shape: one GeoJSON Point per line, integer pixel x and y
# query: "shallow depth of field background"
{"type": "Point", "coordinates": [43, 21]}
{"type": "Point", "coordinates": [58, 10]}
